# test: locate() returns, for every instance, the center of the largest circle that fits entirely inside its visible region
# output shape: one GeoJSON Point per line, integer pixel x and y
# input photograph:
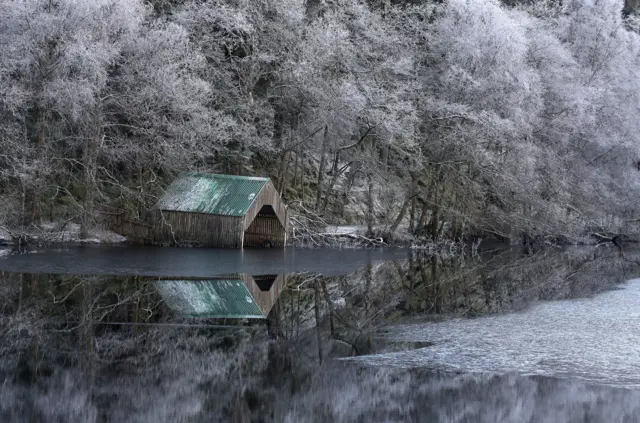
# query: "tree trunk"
{"type": "Point", "coordinates": [316, 296]}
{"type": "Point", "coordinates": [89, 162]}
{"type": "Point", "coordinates": [278, 125]}
{"type": "Point", "coordinates": [440, 228]}
{"type": "Point", "coordinates": [301, 174]}
{"type": "Point", "coordinates": [368, 280]}
{"type": "Point", "coordinates": [37, 209]}
{"type": "Point", "coordinates": [412, 216]}
{"type": "Point", "coordinates": [334, 179]}
{"type": "Point", "coordinates": [370, 216]}
{"type": "Point", "coordinates": [384, 155]}
{"type": "Point", "coordinates": [283, 169]}
{"type": "Point", "coordinates": [435, 284]}
{"type": "Point", "coordinates": [323, 153]}
{"type": "Point", "coordinates": [285, 180]}
{"type": "Point", "coordinates": [296, 172]}
{"type": "Point", "coordinates": [435, 217]}
{"type": "Point", "coordinates": [23, 202]}
{"type": "Point", "coordinates": [330, 305]}
{"type": "Point", "coordinates": [423, 217]}
{"type": "Point", "coordinates": [274, 326]}
{"type": "Point", "coordinates": [405, 206]}
{"type": "Point", "coordinates": [403, 211]}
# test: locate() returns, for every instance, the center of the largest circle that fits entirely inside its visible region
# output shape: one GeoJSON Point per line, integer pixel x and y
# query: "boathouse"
{"type": "Point", "coordinates": [212, 210]}
{"type": "Point", "coordinates": [238, 296]}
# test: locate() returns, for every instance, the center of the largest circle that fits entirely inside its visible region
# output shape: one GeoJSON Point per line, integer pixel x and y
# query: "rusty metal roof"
{"type": "Point", "coordinates": [224, 195]}
{"type": "Point", "coordinates": [220, 298]}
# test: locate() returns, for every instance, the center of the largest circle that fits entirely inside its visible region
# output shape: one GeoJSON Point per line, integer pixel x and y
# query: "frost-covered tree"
{"type": "Point", "coordinates": [98, 70]}
{"type": "Point", "coordinates": [514, 118]}
{"type": "Point", "coordinates": [364, 93]}
{"type": "Point", "coordinates": [248, 49]}
{"type": "Point", "coordinates": [587, 59]}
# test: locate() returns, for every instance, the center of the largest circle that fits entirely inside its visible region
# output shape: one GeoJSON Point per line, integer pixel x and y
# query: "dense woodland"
{"type": "Point", "coordinates": [439, 119]}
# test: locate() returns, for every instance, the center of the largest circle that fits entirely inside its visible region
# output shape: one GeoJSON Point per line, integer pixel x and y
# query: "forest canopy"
{"type": "Point", "coordinates": [439, 119]}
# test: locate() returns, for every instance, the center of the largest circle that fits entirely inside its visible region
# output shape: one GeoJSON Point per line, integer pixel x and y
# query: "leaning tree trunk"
{"type": "Point", "coordinates": [333, 181]}
{"type": "Point", "coordinates": [323, 159]}
{"type": "Point", "coordinates": [405, 205]}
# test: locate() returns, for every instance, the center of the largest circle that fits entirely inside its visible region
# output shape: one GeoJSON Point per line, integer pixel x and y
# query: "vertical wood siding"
{"type": "Point", "coordinates": [263, 229]}
{"type": "Point", "coordinates": [198, 229]}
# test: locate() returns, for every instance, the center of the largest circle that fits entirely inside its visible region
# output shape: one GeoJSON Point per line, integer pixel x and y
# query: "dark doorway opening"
{"type": "Point", "coordinates": [265, 282]}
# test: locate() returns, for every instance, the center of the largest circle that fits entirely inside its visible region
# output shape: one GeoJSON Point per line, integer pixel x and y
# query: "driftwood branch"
{"type": "Point", "coordinates": [310, 229]}
{"type": "Point", "coordinates": [615, 239]}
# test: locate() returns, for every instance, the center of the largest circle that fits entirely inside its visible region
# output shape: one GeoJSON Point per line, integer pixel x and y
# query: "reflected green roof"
{"type": "Point", "coordinates": [228, 298]}
{"type": "Point", "coordinates": [224, 195]}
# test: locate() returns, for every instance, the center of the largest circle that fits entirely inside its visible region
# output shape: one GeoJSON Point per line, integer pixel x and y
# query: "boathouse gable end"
{"type": "Point", "coordinates": [215, 210]}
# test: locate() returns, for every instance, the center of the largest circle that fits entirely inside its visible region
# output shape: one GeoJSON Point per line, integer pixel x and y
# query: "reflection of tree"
{"type": "Point", "coordinates": [355, 307]}
{"type": "Point", "coordinates": [503, 281]}
{"type": "Point", "coordinates": [106, 349]}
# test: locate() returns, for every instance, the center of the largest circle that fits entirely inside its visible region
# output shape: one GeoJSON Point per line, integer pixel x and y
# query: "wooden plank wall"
{"type": "Point", "coordinates": [198, 229]}
{"type": "Point", "coordinates": [262, 229]}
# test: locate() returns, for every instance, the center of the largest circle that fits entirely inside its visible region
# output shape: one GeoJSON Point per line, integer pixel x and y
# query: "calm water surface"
{"type": "Point", "coordinates": [193, 262]}
{"type": "Point", "coordinates": [351, 336]}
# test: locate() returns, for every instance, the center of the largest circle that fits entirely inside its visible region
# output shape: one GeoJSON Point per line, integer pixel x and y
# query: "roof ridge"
{"type": "Point", "coordinates": [222, 175]}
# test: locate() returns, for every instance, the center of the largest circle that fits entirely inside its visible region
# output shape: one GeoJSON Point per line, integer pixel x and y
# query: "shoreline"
{"type": "Point", "coordinates": [51, 235]}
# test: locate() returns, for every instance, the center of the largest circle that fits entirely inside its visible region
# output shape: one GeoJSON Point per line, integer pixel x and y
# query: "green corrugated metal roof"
{"type": "Point", "coordinates": [227, 298]}
{"type": "Point", "coordinates": [213, 194]}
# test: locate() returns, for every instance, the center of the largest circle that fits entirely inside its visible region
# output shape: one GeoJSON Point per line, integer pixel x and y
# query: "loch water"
{"type": "Point", "coordinates": [129, 334]}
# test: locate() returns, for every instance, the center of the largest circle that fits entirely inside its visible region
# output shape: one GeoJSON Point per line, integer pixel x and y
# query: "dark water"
{"type": "Point", "coordinates": [385, 336]}
{"type": "Point", "coordinates": [196, 262]}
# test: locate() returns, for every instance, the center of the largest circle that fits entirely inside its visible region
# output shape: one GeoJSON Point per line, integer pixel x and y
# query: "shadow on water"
{"type": "Point", "coordinates": [162, 348]}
